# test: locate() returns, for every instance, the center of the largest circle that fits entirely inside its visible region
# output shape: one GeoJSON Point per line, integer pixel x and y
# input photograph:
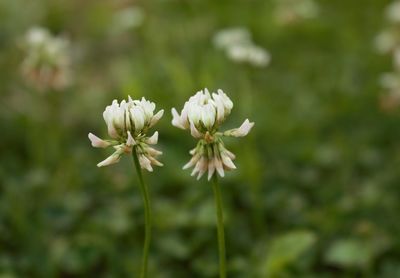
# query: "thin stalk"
{"type": "Point", "coordinates": [147, 214]}
{"type": "Point", "coordinates": [220, 227]}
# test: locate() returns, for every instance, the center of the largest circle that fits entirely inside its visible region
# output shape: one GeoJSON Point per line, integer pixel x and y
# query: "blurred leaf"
{"type": "Point", "coordinates": [349, 253]}
{"type": "Point", "coordinates": [286, 250]}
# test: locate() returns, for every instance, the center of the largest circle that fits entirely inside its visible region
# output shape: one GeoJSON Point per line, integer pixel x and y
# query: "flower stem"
{"type": "Point", "coordinates": [147, 214]}
{"type": "Point", "coordinates": [220, 227]}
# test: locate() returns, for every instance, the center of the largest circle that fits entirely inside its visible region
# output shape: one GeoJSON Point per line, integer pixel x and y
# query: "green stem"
{"type": "Point", "coordinates": [220, 227]}
{"type": "Point", "coordinates": [147, 214]}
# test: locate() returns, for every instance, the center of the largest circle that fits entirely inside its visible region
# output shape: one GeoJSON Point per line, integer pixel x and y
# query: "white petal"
{"type": "Point", "coordinates": [243, 130]}
{"type": "Point", "coordinates": [97, 142]}
{"type": "Point", "coordinates": [153, 139]}
{"type": "Point", "coordinates": [137, 115]}
{"type": "Point", "coordinates": [145, 163]}
{"type": "Point", "coordinates": [130, 141]}
{"type": "Point", "coordinates": [202, 167]}
{"type": "Point", "coordinates": [176, 119]}
{"type": "Point", "coordinates": [112, 159]}
{"type": "Point", "coordinates": [194, 132]}
{"type": "Point", "coordinates": [156, 117]}
{"type": "Point", "coordinates": [153, 152]}
{"type": "Point", "coordinates": [227, 161]}
{"type": "Point", "coordinates": [192, 161]}
{"type": "Point", "coordinates": [211, 168]}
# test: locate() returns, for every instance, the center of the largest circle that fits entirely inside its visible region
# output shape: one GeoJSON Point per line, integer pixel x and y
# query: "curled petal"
{"type": "Point", "coordinates": [153, 152]}
{"type": "Point", "coordinates": [211, 168]}
{"type": "Point", "coordinates": [202, 167]}
{"type": "Point", "coordinates": [156, 117]}
{"type": "Point", "coordinates": [192, 161]}
{"type": "Point", "coordinates": [112, 159]}
{"type": "Point", "coordinates": [194, 132]}
{"type": "Point", "coordinates": [97, 142]}
{"type": "Point", "coordinates": [176, 119]}
{"type": "Point", "coordinates": [153, 139]}
{"type": "Point", "coordinates": [155, 161]}
{"type": "Point", "coordinates": [227, 161]}
{"type": "Point", "coordinates": [130, 141]}
{"type": "Point", "coordinates": [242, 131]}
{"type": "Point", "coordinates": [217, 162]}
{"type": "Point", "coordinates": [145, 163]}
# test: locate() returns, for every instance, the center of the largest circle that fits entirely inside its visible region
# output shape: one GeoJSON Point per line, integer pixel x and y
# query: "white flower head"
{"type": "Point", "coordinates": [202, 115]}
{"type": "Point", "coordinates": [47, 61]}
{"type": "Point", "coordinates": [127, 124]}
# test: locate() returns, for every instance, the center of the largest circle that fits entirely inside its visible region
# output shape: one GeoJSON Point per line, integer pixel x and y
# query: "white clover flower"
{"type": "Point", "coordinates": [128, 123]}
{"type": "Point", "coordinates": [47, 61]}
{"type": "Point", "coordinates": [202, 114]}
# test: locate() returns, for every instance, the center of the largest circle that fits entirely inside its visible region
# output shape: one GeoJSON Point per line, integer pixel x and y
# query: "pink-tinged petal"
{"type": "Point", "coordinates": [219, 167]}
{"type": "Point", "coordinates": [153, 152]}
{"type": "Point", "coordinates": [211, 168]}
{"type": "Point", "coordinates": [202, 167]}
{"type": "Point", "coordinates": [145, 163]}
{"type": "Point", "coordinates": [97, 142]}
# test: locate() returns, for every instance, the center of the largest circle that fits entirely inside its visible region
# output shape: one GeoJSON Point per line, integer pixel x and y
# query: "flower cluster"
{"type": "Point", "coordinates": [239, 47]}
{"type": "Point", "coordinates": [127, 124]}
{"type": "Point", "coordinates": [202, 114]}
{"type": "Point", "coordinates": [388, 42]}
{"type": "Point", "coordinates": [47, 61]}
{"type": "Point", "coordinates": [289, 12]}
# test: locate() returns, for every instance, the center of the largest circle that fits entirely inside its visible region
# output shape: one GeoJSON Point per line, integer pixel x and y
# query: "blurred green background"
{"type": "Point", "coordinates": [316, 193]}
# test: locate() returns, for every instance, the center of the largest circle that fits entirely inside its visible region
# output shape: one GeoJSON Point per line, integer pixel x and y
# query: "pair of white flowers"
{"type": "Point", "coordinates": [129, 121]}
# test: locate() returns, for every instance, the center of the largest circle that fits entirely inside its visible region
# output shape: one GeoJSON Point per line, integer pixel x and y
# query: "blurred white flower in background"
{"type": "Point", "coordinates": [126, 19]}
{"type": "Point", "coordinates": [202, 115]}
{"type": "Point", "coordinates": [294, 11]}
{"type": "Point", "coordinates": [239, 47]}
{"type": "Point", "coordinates": [128, 123]}
{"type": "Point", "coordinates": [388, 42]}
{"type": "Point", "coordinates": [225, 38]}
{"type": "Point", "coordinates": [47, 59]}
{"type": "Point", "coordinates": [393, 12]}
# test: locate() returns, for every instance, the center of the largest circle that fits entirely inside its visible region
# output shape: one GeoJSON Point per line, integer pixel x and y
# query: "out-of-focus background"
{"type": "Point", "coordinates": [316, 192]}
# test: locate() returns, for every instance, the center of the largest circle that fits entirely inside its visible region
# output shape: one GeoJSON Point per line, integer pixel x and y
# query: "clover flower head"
{"type": "Point", "coordinates": [47, 61]}
{"type": "Point", "coordinates": [202, 115]}
{"type": "Point", "coordinates": [128, 123]}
